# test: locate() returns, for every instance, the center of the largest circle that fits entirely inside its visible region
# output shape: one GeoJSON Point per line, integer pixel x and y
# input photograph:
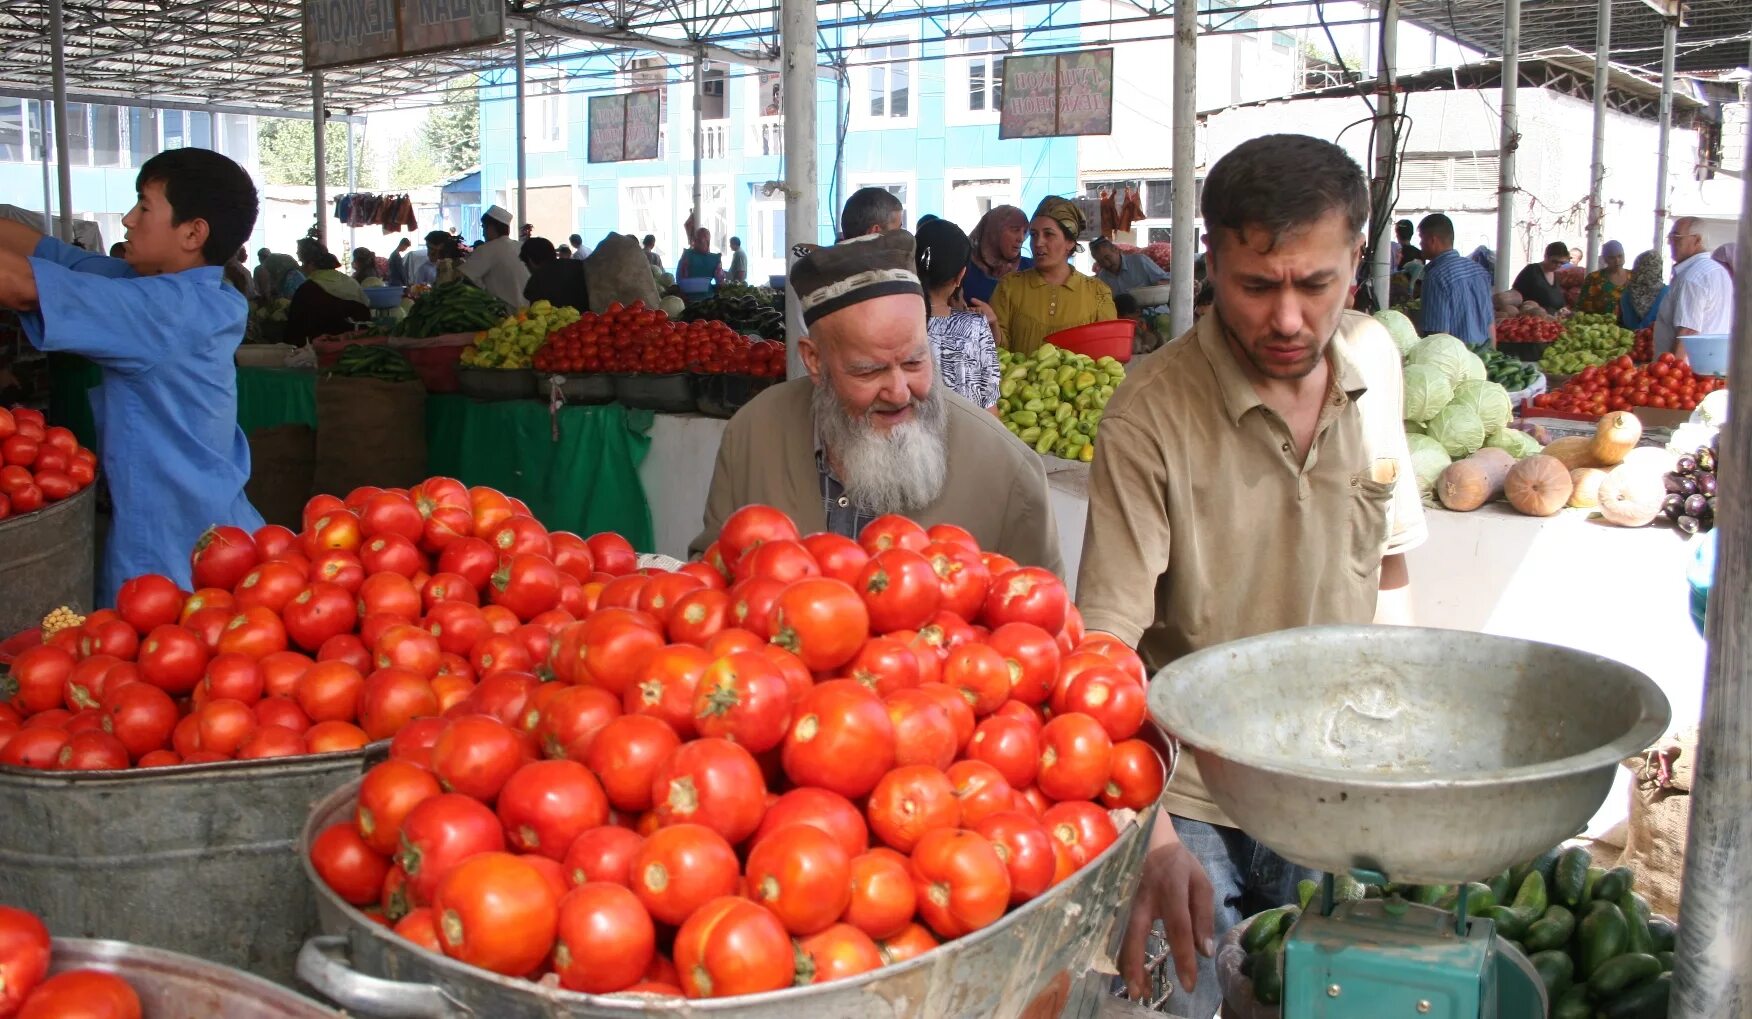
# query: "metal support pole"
{"type": "Point", "coordinates": [1511, 140]}
{"type": "Point", "coordinates": [352, 187]}
{"type": "Point", "coordinates": [522, 141]}
{"type": "Point", "coordinates": [43, 115]}
{"type": "Point", "coordinates": [797, 29]}
{"type": "Point", "coordinates": [1664, 139]}
{"type": "Point", "coordinates": [57, 55]}
{"type": "Point", "coordinates": [1386, 121]}
{"type": "Point", "coordinates": [699, 140]}
{"type": "Point", "coordinates": [1712, 971]}
{"type": "Point", "coordinates": [1184, 239]}
{"type": "Point", "coordinates": [319, 131]}
{"type": "Point", "coordinates": [1597, 169]}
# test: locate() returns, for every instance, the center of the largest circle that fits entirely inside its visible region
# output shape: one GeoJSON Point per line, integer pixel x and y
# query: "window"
{"type": "Point", "coordinates": [715, 215]}
{"type": "Point", "coordinates": [1159, 198]}
{"type": "Point", "coordinates": [142, 135]}
{"type": "Point", "coordinates": [13, 113]}
{"type": "Point", "coordinates": [770, 95]}
{"type": "Point", "coordinates": [972, 193]}
{"type": "Point", "coordinates": [173, 126]}
{"type": "Point", "coordinates": [78, 134]}
{"type": "Point", "coordinates": [645, 209]}
{"type": "Point", "coordinates": [200, 130]}
{"type": "Point", "coordinates": [106, 136]}
{"type": "Point", "coordinates": [547, 114]}
{"type": "Point", "coordinates": [239, 139]}
{"type": "Point", "coordinates": [766, 240]}
{"type": "Point", "coordinates": [985, 75]}
{"type": "Point", "coordinates": [886, 82]}
{"type": "Point", "coordinates": [714, 104]}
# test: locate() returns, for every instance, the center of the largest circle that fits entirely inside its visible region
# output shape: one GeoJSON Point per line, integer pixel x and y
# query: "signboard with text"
{"type": "Point", "coordinates": [431, 25]}
{"type": "Point", "coordinates": [1058, 94]}
{"type": "Point", "coordinates": [339, 33]}
{"type": "Point", "coordinates": [625, 126]}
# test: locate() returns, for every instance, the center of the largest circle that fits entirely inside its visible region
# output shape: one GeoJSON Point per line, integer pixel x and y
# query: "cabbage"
{"type": "Point", "coordinates": [1428, 460]}
{"type": "Point", "coordinates": [1414, 428]}
{"type": "Point", "coordinates": [1444, 352]}
{"type": "Point", "coordinates": [1489, 400]}
{"type": "Point", "coordinates": [1472, 366]}
{"type": "Point", "coordinates": [1427, 390]}
{"type": "Point", "coordinates": [1400, 328]}
{"type": "Point", "coordinates": [1458, 429]}
{"type": "Point", "coordinates": [1514, 441]}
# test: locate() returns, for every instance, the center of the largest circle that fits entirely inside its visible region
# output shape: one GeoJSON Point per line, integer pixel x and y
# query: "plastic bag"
{"type": "Point", "coordinates": [1238, 1002]}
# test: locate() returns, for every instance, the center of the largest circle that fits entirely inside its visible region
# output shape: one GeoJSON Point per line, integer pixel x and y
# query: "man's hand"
{"type": "Point", "coordinates": [18, 290]}
{"type": "Point", "coordinates": [1173, 888]}
{"type": "Point", "coordinates": [18, 239]}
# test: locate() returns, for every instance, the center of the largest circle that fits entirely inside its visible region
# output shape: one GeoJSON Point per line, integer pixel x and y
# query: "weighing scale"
{"type": "Point", "coordinates": [1416, 755]}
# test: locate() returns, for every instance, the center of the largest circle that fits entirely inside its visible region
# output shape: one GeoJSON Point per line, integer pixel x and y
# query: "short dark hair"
{"type": "Point", "coordinates": [575, 239]}
{"type": "Point", "coordinates": [1438, 226]}
{"type": "Point", "coordinates": [202, 184]}
{"type": "Point", "coordinates": [1098, 243]}
{"type": "Point", "coordinates": [940, 252]}
{"type": "Point", "coordinates": [1279, 182]}
{"type": "Point", "coordinates": [736, 242]}
{"type": "Point", "coordinates": [1403, 229]}
{"type": "Point", "coordinates": [650, 240]}
{"type": "Point", "coordinates": [537, 250]}
{"type": "Point", "coordinates": [493, 229]}
{"type": "Point", "coordinates": [405, 243]}
{"type": "Point", "coordinates": [867, 208]}
{"type": "Point", "coordinates": [1126, 306]}
{"type": "Point", "coordinates": [1557, 249]}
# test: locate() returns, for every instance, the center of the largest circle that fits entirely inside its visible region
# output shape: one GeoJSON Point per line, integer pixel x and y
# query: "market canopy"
{"type": "Point", "coordinates": [1714, 35]}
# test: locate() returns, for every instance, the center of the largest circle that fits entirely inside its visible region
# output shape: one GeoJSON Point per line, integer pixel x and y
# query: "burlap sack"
{"type": "Point", "coordinates": [282, 467]}
{"type": "Point", "coordinates": [369, 432]}
{"type": "Point", "coordinates": [619, 271]}
{"type": "Point", "coordinates": [1660, 818]}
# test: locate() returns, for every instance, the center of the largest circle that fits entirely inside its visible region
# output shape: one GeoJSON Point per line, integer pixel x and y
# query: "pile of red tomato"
{"type": "Point", "coordinates": [386, 607]}
{"type": "Point", "coordinates": [637, 339]}
{"type": "Point", "coordinates": [1643, 351]}
{"type": "Point", "coordinates": [25, 950]}
{"type": "Point", "coordinates": [1621, 384]}
{"type": "Point", "coordinates": [1529, 329]}
{"type": "Point", "coordinates": [38, 464]}
{"type": "Point", "coordinates": [797, 760]}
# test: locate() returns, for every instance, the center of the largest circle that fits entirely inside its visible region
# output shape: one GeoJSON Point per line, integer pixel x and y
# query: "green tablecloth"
{"type": "Point", "coordinates": [584, 480]}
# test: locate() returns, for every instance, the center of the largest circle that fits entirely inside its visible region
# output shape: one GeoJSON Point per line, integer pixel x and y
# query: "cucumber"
{"type": "Point", "coordinates": [1509, 923]}
{"type": "Point", "coordinates": [1265, 928]}
{"type": "Point", "coordinates": [1268, 977]}
{"type": "Point", "coordinates": [1305, 892]}
{"type": "Point", "coordinates": [1603, 936]}
{"type": "Point", "coordinates": [1500, 887]}
{"type": "Point", "coordinates": [1573, 1004]}
{"type": "Point", "coordinates": [1545, 863]}
{"type": "Point", "coordinates": [1248, 963]}
{"type": "Point", "coordinates": [1636, 917]}
{"type": "Point", "coordinates": [1664, 933]}
{"type": "Point", "coordinates": [1569, 877]}
{"type": "Point", "coordinates": [1616, 882]}
{"type": "Point", "coordinates": [1553, 930]}
{"type": "Point", "coordinates": [1428, 895]}
{"type": "Point", "coordinates": [1479, 898]}
{"type": "Point", "coordinates": [1646, 1000]}
{"type": "Point", "coordinates": [1593, 878]}
{"type": "Point", "coordinates": [1530, 900]}
{"type": "Point", "coordinates": [1556, 971]}
{"type": "Point", "coordinates": [1625, 971]}
{"type": "Point", "coordinates": [1666, 960]}
{"type": "Point", "coordinates": [1347, 889]}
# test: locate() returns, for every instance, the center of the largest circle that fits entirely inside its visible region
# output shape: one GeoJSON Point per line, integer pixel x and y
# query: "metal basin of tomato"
{"type": "Point", "coordinates": [47, 559]}
{"type": "Point", "coordinates": [172, 985]}
{"type": "Point", "coordinates": [193, 858]}
{"type": "Point", "coordinates": [1023, 965]}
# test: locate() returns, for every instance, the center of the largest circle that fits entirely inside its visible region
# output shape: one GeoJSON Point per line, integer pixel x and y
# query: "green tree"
{"type": "Point", "coordinates": [412, 166]}
{"type": "Point", "coordinates": [287, 150]}
{"type": "Point", "coordinates": [452, 132]}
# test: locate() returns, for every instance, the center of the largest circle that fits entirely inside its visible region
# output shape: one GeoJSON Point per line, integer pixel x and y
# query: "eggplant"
{"type": "Point", "coordinates": [1687, 486]}
{"type": "Point", "coordinates": [1673, 505]}
{"type": "Point", "coordinates": [1706, 483]}
{"type": "Point", "coordinates": [1686, 464]}
{"type": "Point", "coordinates": [1696, 505]}
{"type": "Point", "coordinates": [1689, 525]}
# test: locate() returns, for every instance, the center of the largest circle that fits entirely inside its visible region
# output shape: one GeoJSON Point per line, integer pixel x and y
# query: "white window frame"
{"type": "Point", "coordinates": [861, 119]}
{"type": "Point", "coordinates": [548, 109]}
{"type": "Point", "coordinates": [956, 108]}
{"type": "Point", "coordinates": [951, 175]}
{"type": "Point", "coordinates": [684, 209]}
{"type": "Point", "coordinates": [761, 263]}
{"type": "Point", "coordinates": [910, 209]}
{"type": "Point", "coordinates": [664, 232]}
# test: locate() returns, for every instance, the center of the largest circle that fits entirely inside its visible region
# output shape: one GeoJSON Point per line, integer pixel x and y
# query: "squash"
{"type": "Point", "coordinates": [1614, 437]}
{"type": "Point", "coordinates": [1470, 483]}
{"type": "Point", "coordinates": [1631, 495]}
{"type": "Point", "coordinates": [1573, 451]}
{"type": "Point", "coordinates": [1539, 485]}
{"type": "Point", "coordinates": [1658, 459]}
{"type": "Point", "coordinates": [1587, 481]}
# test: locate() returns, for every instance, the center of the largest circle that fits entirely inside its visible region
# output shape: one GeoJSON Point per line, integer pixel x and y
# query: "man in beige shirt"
{"type": "Point", "coordinates": [871, 431]}
{"type": "Point", "coordinates": [1251, 476]}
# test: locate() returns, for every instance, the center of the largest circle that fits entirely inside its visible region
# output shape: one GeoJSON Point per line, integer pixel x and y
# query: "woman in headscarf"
{"type": "Point", "coordinates": [997, 251]}
{"type": "Point", "coordinates": [1726, 255]}
{"type": "Point", "coordinates": [1603, 287]}
{"type": "Point", "coordinates": [328, 302]}
{"type": "Point", "coordinates": [1034, 303]}
{"type": "Point", "coordinates": [1643, 293]}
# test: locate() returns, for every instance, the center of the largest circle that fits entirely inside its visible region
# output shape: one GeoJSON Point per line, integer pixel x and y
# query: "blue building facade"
{"type": "Point", "coordinates": [918, 107]}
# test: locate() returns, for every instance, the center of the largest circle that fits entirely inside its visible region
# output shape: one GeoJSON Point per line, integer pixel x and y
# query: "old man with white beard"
{"type": "Point", "coordinates": [871, 431]}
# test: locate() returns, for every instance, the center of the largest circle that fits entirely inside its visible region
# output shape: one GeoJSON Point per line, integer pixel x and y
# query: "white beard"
{"type": "Point", "coordinates": [902, 471]}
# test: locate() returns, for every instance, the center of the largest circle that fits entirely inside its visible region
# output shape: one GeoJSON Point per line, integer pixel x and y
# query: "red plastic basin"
{"type": "Point", "coordinates": [1097, 339]}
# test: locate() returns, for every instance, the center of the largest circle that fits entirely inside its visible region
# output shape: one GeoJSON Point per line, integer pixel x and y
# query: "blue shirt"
{"type": "Point", "coordinates": [1135, 270]}
{"type": "Point", "coordinates": [172, 453]}
{"type": "Point", "coordinates": [1456, 298]}
{"type": "Point", "coordinates": [977, 286]}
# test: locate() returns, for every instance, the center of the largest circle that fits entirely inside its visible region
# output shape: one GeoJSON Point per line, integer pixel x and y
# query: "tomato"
{"type": "Point", "coordinates": [389, 594]}
{"type": "Point", "coordinates": [319, 506]}
{"type": "Point", "coordinates": [572, 719]}
{"type": "Point", "coordinates": [1083, 827]}
{"type": "Point", "coordinates": [712, 782]}
{"type": "Point", "coordinates": [913, 941]}
{"type": "Point", "coordinates": [24, 943]}
{"type": "Point", "coordinates": [317, 613]}
{"type": "Point", "coordinates": [1116, 651]}
{"type": "Point", "coordinates": [256, 632]}
{"type": "Point", "coordinates": [1027, 850]}
{"type": "Point", "coordinates": [680, 868]}
{"type": "Point", "coordinates": [1032, 657]}
{"type": "Point", "coordinates": [614, 555]}
{"type": "Point", "coordinates": [348, 864]}
{"type": "Point", "coordinates": [38, 679]}
{"type": "Point", "coordinates": [571, 554]}
{"type": "Point", "coordinates": [475, 755]}
{"type": "Point", "coordinates": [92, 750]}
{"type": "Point", "coordinates": [836, 556]}
{"type": "Point", "coordinates": [414, 742]}
{"type": "Point", "coordinates": [950, 534]}
{"type": "Point", "coordinates": [782, 560]}
{"type": "Point", "coordinates": [885, 665]}
{"type": "Point", "coordinates": [18, 451]}
{"type": "Point", "coordinates": [803, 875]}
{"type": "Point", "coordinates": [109, 637]}
{"type": "Point", "coordinates": [329, 692]}
{"type": "Point", "coordinates": [173, 659]}
{"type": "Point", "coordinates": [490, 508]}
{"type": "Point", "coordinates": [961, 883]}
{"type": "Point", "coordinates": [225, 725]}
{"type": "Point", "coordinates": [698, 615]}
{"type": "Point", "coordinates": [446, 525]}
{"type": "Point", "coordinates": [900, 590]}
{"type": "Point", "coordinates": [546, 805]}
{"type": "Point", "coordinates": [1027, 595]}
{"type": "Point", "coordinates": [892, 531]}
{"type": "Point", "coordinates": [1009, 745]}
{"type": "Point", "coordinates": [981, 789]}
{"type": "Point", "coordinates": [603, 853]}
{"type": "Point", "coordinates": [340, 568]}
{"type": "Point", "coordinates": [821, 621]}
{"type": "Point", "coordinates": [733, 946]}
{"type": "Point", "coordinates": [82, 994]}
{"type": "Point", "coordinates": [1136, 777]}
{"type": "Point", "coordinates": [909, 801]}
{"type": "Point", "coordinates": [623, 592]}
{"type": "Point", "coordinates": [283, 712]}
{"type": "Point", "coordinates": [391, 553]}
{"type": "Point", "coordinates": [420, 926]}
{"type": "Point", "coordinates": [434, 493]}
{"type": "Point", "coordinates": [841, 738]}
{"type": "Point", "coordinates": [750, 527]}
{"type": "Point", "coordinates": [406, 646]}
{"type": "Point", "coordinates": [387, 794]}
{"type": "Point", "coordinates": [628, 753]}
{"type": "Point", "coordinates": [923, 732]}
{"type": "Point", "coordinates": [391, 698]}
{"type": "Point", "coordinates": [470, 558]}
{"type": "Point", "coordinates": [345, 648]}
{"type": "Point", "coordinates": [335, 529]}
{"type": "Point", "coordinates": [1111, 698]}
{"type": "Point", "coordinates": [743, 698]}
{"type": "Point", "coordinates": [271, 585]}
{"type": "Point", "coordinates": [140, 715]}
{"type": "Point", "coordinates": [605, 941]}
{"type": "Point", "coordinates": [386, 513]}
{"type": "Point", "coordinates": [1075, 757]}
{"type": "Point", "coordinates": [37, 746]}
{"type": "Point", "coordinates": [956, 707]}
{"type": "Point", "coordinates": [498, 912]}
{"type": "Point", "coordinates": [149, 601]}
{"type": "Point", "coordinates": [441, 832]}
{"type": "Point", "coordinates": [981, 675]}
{"type": "Point", "coordinates": [838, 952]}
{"type": "Point", "coordinates": [607, 649]}
{"type": "Point", "coordinates": [658, 597]}
{"type": "Point", "coordinates": [27, 499]}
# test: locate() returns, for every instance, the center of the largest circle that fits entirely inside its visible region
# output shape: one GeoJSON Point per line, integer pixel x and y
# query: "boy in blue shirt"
{"type": "Point", "coordinates": [163, 326]}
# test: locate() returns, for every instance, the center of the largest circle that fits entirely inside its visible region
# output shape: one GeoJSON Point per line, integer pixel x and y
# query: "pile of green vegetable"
{"type": "Point", "coordinates": [456, 307]}
{"type": "Point", "coordinates": [1512, 373]}
{"type": "Point", "coordinates": [742, 308]}
{"type": "Point", "coordinates": [1052, 399]}
{"type": "Point", "coordinates": [1586, 340]}
{"type": "Point", "coordinates": [362, 361]}
{"type": "Point", "coordinates": [1586, 930]}
{"type": "Point", "coordinates": [1452, 411]}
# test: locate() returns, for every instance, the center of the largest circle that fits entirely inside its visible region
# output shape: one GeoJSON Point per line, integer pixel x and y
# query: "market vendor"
{"type": "Point", "coordinates": [872, 430]}
{"type": "Point", "coordinates": [1036, 302]}
{"type": "Point", "coordinates": [328, 302]}
{"type": "Point", "coordinates": [700, 261]}
{"type": "Point", "coordinates": [1251, 476]}
{"type": "Point", "coordinates": [497, 266]}
{"type": "Point", "coordinates": [997, 251]}
{"type": "Point", "coordinates": [1123, 271]}
{"type": "Point", "coordinates": [163, 327]}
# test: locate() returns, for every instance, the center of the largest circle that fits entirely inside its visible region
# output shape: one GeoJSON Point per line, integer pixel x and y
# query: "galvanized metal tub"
{"type": "Point", "coordinates": [1025, 964]}
{"type": "Point", "coordinates": [194, 858]}
{"type": "Point", "coordinates": [48, 559]}
{"type": "Point", "coordinates": [176, 986]}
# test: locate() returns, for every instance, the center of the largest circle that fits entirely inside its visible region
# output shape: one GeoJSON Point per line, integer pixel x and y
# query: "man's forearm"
{"type": "Point", "coordinates": [1393, 604]}
{"type": "Point", "coordinates": [18, 289]}
{"type": "Point", "coordinates": [18, 239]}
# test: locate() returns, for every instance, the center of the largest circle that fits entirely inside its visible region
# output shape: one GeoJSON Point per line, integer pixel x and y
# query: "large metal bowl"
{"type": "Point", "coordinates": [1431, 756]}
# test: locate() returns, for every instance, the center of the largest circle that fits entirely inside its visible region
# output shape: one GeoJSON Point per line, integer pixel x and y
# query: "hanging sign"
{"type": "Point", "coordinates": [342, 32]}
{"type": "Point", "coordinates": [625, 126]}
{"type": "Point", "coordinates": [431, 25]}
{"type": "Point", "coordinates": [1058, 94]}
